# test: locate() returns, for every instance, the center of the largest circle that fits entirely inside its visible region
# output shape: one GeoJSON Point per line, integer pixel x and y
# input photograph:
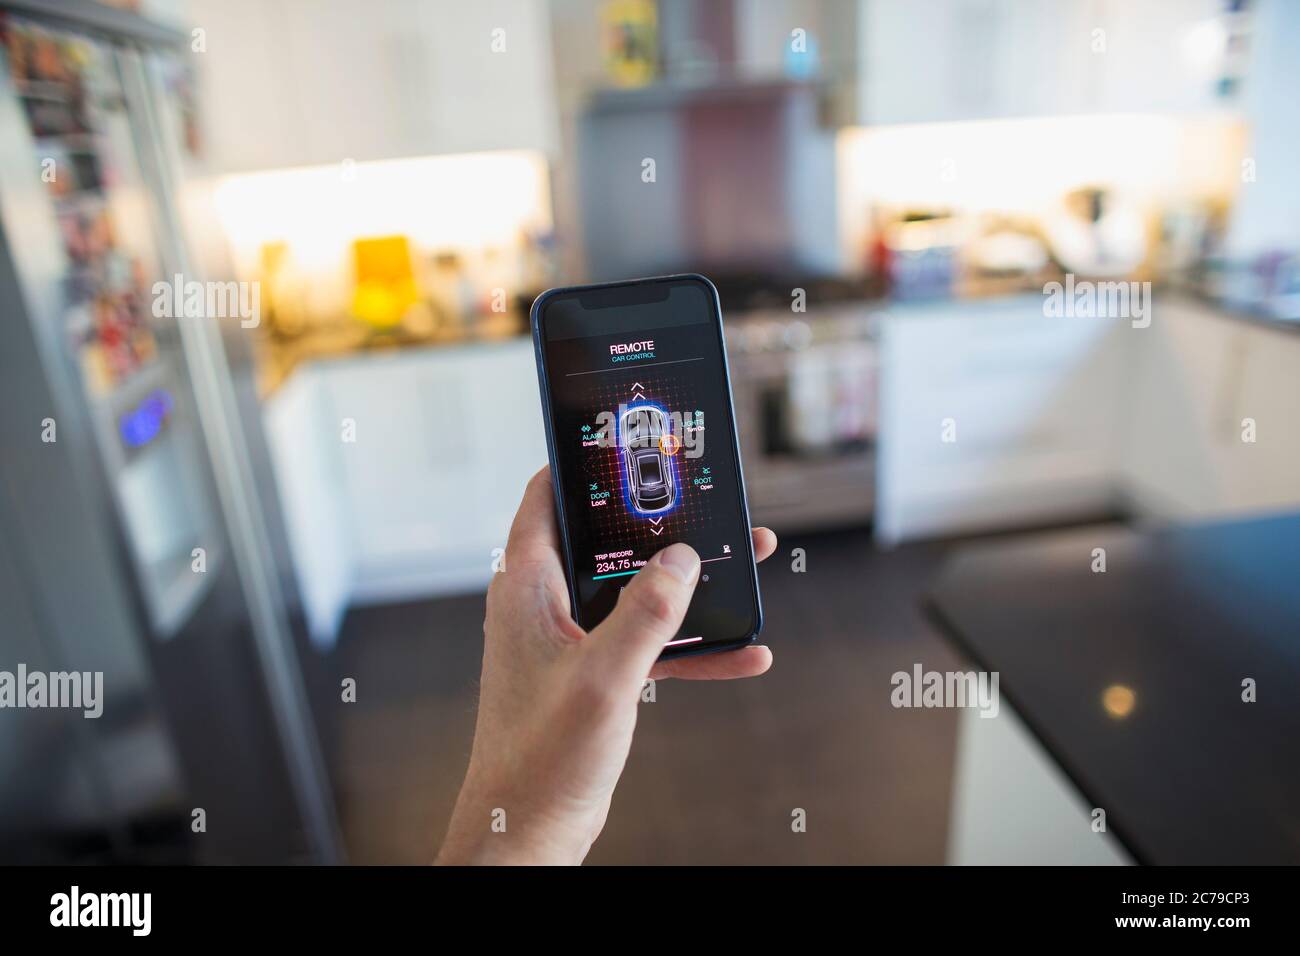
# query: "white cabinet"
{"type": "Point", "coordinates": [445, 440]}
{"type": "Point", "coordinates": [401, 471]}
{"type": "Point", "coordinates": [992, 414]}
{"type": "Point", "coordinates": [1181, 397]}
{"type": "Point", "coordinates": [1200, 382]}
{"type": "Point", "coordinates": [945, 60]}
{"type": "Point", "coordinates": [310, 82]}
{"type": "Point", "coordinates": [1012, 805]}
{"type": "Point", "coordinates": [1266, 472]}
{"type": "Point", "coordinates": [309, 475]}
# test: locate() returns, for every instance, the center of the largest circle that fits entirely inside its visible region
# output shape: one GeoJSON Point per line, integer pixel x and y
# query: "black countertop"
{"type": "Point", "coordinates": [1180, 617]}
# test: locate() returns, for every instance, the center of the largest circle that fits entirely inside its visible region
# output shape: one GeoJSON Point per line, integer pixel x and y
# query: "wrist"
{"type": "Point", "coordinates": [493, 827]}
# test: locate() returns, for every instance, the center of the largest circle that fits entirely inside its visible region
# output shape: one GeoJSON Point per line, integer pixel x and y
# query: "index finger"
{"type": "Point", "coordinates": [532, 534]}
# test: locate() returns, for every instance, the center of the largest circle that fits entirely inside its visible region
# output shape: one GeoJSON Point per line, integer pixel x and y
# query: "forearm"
{"type": "Point", "coordinates": [491, 826]}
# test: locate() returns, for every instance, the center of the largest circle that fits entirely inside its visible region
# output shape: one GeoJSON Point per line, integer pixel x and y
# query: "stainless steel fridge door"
{"type": "Point", "coordinates": [233, 432]}
{"type": "Point", "coordinates": [140, 531]}
{"type": "Point", "coordinates": [70, 786]}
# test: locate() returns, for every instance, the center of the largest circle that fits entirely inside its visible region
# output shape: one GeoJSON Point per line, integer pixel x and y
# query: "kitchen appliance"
{"type": "Point", "coordinates": [133, 538]}
{"type": "Point", "coordinates": [804, 386]}
{"type": "Point", "coordinates": [728, 177]}
{"type": "Point", "coordinates": [1097, 232]}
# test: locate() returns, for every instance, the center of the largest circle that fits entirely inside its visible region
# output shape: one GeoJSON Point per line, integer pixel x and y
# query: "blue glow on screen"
{"type": "Point", "coordinates": [622, 471]}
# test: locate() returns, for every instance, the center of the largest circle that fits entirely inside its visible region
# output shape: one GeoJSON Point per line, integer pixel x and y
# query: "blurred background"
{"type": "Point", "coordinates": [269, 517]}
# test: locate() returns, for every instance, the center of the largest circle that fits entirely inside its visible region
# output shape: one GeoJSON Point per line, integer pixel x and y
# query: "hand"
{"type": "Point", "coordinates": [557, 705]}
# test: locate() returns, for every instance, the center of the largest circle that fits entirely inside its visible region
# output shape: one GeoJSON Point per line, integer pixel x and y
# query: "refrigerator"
{"type": "Point", "coordinates": [140, 537]}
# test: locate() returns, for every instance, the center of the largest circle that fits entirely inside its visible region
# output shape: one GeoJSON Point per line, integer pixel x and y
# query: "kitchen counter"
{"type": "Point", "coordinates": [1132, 679]}
{"type": "Point", "coordinates": [754, 324]}
{"type": "Point", "coordinates": [1256, 317]}
{"type": "Point", "coordinates": [278, 356]}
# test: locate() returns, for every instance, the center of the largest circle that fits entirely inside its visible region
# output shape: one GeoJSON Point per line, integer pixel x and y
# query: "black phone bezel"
{"type": "Point", "coordinates": [535, 319]}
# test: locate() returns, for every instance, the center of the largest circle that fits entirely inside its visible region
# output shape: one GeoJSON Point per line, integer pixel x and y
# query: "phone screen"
{"type": "Point", "coordinates": [643, 448]}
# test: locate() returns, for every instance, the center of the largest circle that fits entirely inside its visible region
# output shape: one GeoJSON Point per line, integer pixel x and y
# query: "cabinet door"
{"type": "Point", "coordinates": [346, 69]}
{"type": "Point", "coordinates": [312, 82]}
{"type": "Point", "coordinates": [1159, 56]}
{"type": "Point", "coordinates": [1264, 458]}
{"type": "Point", "coordinates": [972, 59]}
{"type": "Point", "coordinates": [304, 444]}
{"type": "Point", "coordinates": [912, 65]}
{"type": "Point", "coordinates": [482, 75]}
{"type": "Point", "coordinates": [981, 59]}
{"type": "Point", "coordinates": [1203, 387]}
{"type": "Point", "coordinates": [246, 87]}
{"type": "Point", "coordinates": [1181, 407]}
{"type": "Point", "coordinates": [993, 414]}
{"type": "Point", "coordinates": [408, 466]}
{"type": "Point", "coordinates": [509, 435]}
{"type": "Point", "coordinates": [445, 441]}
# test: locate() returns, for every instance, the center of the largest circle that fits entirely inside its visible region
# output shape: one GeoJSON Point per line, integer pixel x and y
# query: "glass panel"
{"type": "Point", "coordinates": [119, 335]}
{"type": "Point", "coordinates": [650, 474]}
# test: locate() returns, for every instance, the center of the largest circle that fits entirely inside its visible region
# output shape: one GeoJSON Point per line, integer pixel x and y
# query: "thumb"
{"type": "Point", "coordinates": [648, 614]}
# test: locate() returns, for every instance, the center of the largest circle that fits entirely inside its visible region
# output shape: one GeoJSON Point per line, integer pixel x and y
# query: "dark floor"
{"type": "Point", "coordinates": [716, 768]}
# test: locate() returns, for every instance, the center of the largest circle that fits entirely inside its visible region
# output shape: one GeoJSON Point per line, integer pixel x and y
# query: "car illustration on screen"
{"type": "Point", "coordinates": [649, 472]}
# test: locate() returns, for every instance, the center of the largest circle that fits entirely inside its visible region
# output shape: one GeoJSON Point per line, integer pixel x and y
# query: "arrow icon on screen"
{"type": "Point", "coordinates": [656, 521]}
{"type": "Point", "coordinates": [656, 531]}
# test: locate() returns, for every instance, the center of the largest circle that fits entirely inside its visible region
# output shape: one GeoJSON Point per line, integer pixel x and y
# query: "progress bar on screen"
{"type": "Point", "coordinates": [616, 574]}
{"type": "Point", "coordinates": [684, 640]}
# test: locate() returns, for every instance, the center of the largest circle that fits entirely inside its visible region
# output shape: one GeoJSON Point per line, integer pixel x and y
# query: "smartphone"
{"type": "Point", "coordinates": [641, 434]}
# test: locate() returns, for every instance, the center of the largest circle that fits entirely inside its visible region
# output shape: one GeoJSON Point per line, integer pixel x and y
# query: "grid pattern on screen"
{"type": "Point", "coordinates": [618, 526]}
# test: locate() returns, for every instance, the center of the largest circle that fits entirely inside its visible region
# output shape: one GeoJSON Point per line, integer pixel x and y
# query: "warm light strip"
{"type": "Point", "coordinates": [460, 201]}
{"type": "Point", "coordinates": [1026, 165]}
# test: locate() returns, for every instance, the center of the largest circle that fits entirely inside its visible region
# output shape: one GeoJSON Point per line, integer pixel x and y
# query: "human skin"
{"type": "Point", "coordinates": [558, 705]}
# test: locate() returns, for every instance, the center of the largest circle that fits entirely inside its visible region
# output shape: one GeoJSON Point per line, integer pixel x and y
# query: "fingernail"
{"type": "Point", "coordinates": [682, 560]}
